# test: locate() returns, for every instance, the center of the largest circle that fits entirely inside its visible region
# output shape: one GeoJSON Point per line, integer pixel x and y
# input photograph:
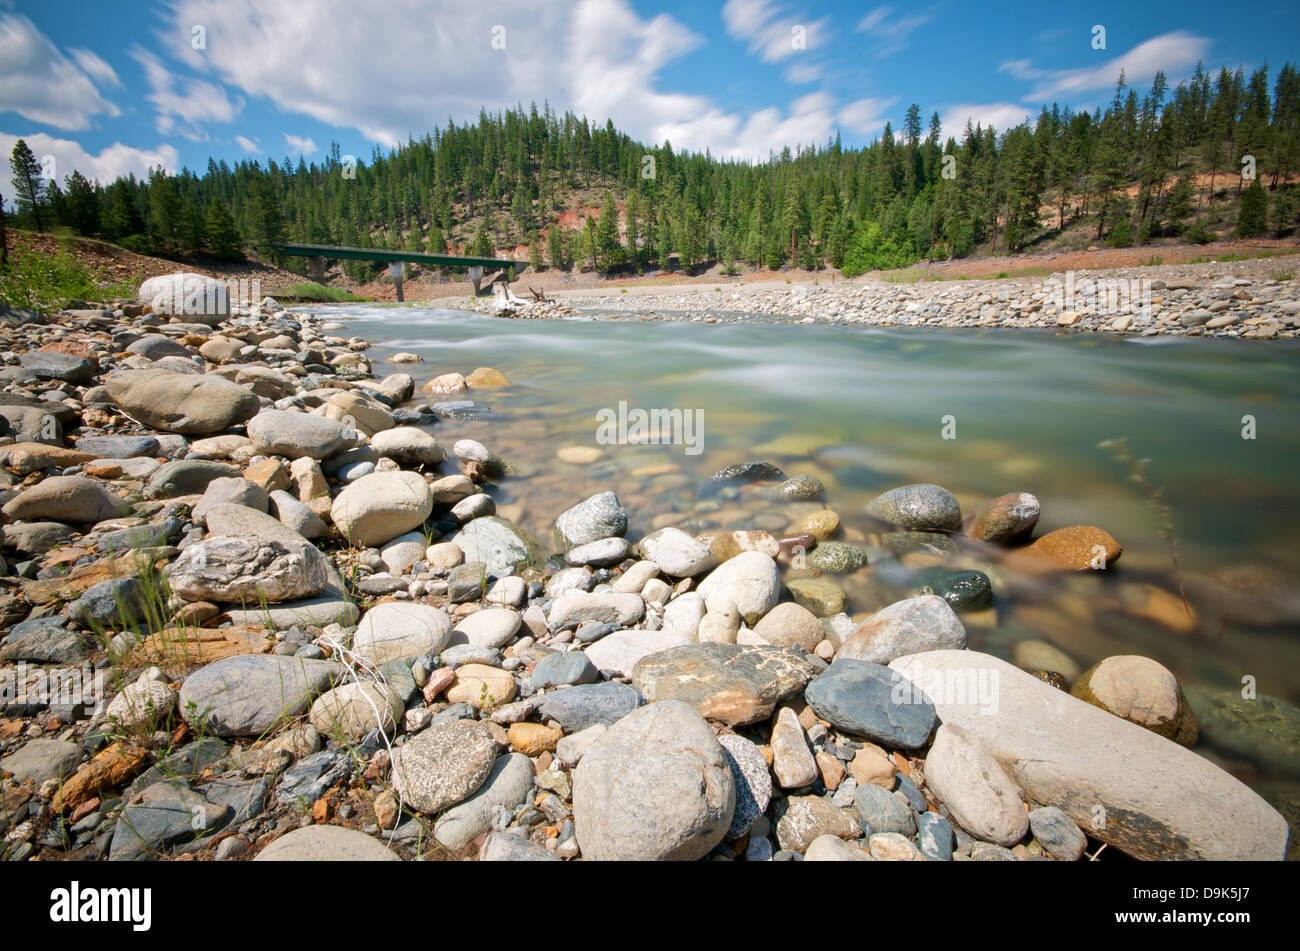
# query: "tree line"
{"type": "Point", "coordinates": [1145, 166]}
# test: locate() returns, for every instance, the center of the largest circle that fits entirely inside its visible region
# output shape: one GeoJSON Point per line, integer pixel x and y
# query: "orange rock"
{"type": "Point", "coordinates": [270, 474]}
{"type": "Point", "coordinates": [532, 739]}
{"type": "Point", "coordinates": [107, 470]}
{"type": "Point", "coordinates": [322, 810]}
{"type": "Point", "coordinates": [108, 769]}
{"type": "Point", "coordinates": [484, 377]}
{"type": "Point", "coordinates": [1158, 605]}
{"type": "Point", "coordinates": [832, 770]}
{"type": "Point", "coordinates": [871, 764]}
{"type": "Point", "coordinates": [180, 650]}
{"type": "Point", "coordinates": [25, 458]}
{"type": "Point", "coordinates": [1076, 548]}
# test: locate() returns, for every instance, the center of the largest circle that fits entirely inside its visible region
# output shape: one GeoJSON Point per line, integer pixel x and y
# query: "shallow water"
{"type": "Point", "coordinates": [864, 409]}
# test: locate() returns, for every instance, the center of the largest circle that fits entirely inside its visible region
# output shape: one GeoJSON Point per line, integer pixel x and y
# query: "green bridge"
{"type": "Point", "coordinates": [317, 253]}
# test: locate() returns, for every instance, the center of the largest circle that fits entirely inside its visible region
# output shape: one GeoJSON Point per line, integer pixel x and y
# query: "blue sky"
{"type": "Point", "coordinates": [110, 88]}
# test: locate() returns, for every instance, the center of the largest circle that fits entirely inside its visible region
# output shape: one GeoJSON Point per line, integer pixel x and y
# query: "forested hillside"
{"type": "Point", "coordinates": [1168, 163]}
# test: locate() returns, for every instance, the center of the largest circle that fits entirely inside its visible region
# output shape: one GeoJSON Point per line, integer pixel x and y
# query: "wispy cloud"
{"type": "Point", "coordinates": [889, 32]}
{"type": "Point", "coordinates": [42, 85]}
{"type": "Point", "coordinates": [112, 162]}
{"type": "Point", "coordinates": [1174, 53]}
{"type": "Point", "coordinates": [771, 30]}
{"type": "Point", "coordinates": [866, 117]}
{"type": "Point", "coordinates": [299, 145]}
{"type": "Point", "coordinates": [184, 106]}
{"type": "Point", "coordinates": [245, 143]}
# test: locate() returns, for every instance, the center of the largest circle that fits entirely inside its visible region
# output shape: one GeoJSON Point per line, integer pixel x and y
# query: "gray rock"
{"type": "Point", "coordinates": [911, 626]}
{"type": "Point", "coordinates": [564, 669]}
{"type": "Point", "coordinates": [118, 447]}
{"type": "Point", "coordinates": [678, 554]}
{"type": "Point", "coordinates": [499, 545]}
{"type": "Point", "coordinates": [230, 490]}
{"type": "Point", "coordinates": [504, 847]}
{"type": "Point", "coordinates": [169, 812]}
{"type": "Point", "coordinates": [963, 774]}
{"type": "Point", "coordinates": [600, 516]}
{"type": "Point", "coordinates": [876, 702]}
{"type": "Point", "coordinates": [621, 651]}
{"type": "Point", "coordinates": [491, 627]}
{"type": "Point", "coordinates": [408, 446]}
{"type": "Point", "coordinates": [1057, 833]}
{"type": "Point", "coordinates": [378, 507]}
{"type": "Point", "coordinates": [116, 603]}
{"type": "Point", "coordinates": [753, 782]}
{"type": "Point", "coordinates": [59, 366]}
{"type": "Point", "coordinates": [598, 554]}
{"type": "Point", "coordinates": [187, 477]}
{"type": "Point", "coordinates": [934, 837]}
{"type": "Point", "coordinates": [298, 435]}
{"type": "Point", "coordinates": [507, 786]}
{"type": "Point", "coordinates": [580, 607]}
{"type": "Point", "coordinates": [395, 630]}
{"type": "Point", "coordinates": [42, 760]}
{"type": "Point", "coordinates": [323, 843]}
{"type": "Point", "coordinates": [655, 786]}
{"type": "Point", "coordinates": [883, 811]}
{"type": "Point", "coordinates": [45, 641]}
{"type": "Point", "coordinates": [181, 402]}
{"type": "Point", "coordinates": [749, 582]}
{"type": "Point", "coordinates": [577, 708]}
{"type": "Point", "coordinates": [311, 777]}
{"type": "Point", "coordinates": [248, 570]}
{"type": "Point", "coordinates": [250, 694]}
{"type": "Point", "coordinates": [921, 507]}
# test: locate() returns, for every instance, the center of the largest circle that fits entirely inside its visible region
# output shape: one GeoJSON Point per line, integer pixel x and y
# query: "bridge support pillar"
{"type": "Point", "coordinates": [476, 277]}
{"type": "Point", "coordinates": [397, 270]}
{"type": "Point", "coordinates": [316, 269]}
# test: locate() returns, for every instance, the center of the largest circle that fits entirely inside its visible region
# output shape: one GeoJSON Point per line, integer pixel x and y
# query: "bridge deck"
{"type": "Point", "coordinates": [415, 257]}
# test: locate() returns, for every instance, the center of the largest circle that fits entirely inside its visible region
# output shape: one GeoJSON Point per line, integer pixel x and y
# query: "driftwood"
{"type": "Point", "coordinates": [539, 296]}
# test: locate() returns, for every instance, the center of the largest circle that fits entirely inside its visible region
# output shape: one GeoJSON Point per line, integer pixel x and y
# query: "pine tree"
{"type": "Point", "coordinates": [224, 241]}
{"type": "Point", "coordinates": [29, 186]}
{"type": "Point", "coordinates": [83, 204]}
{"type": "Point", "coordinates": [1252, 220]}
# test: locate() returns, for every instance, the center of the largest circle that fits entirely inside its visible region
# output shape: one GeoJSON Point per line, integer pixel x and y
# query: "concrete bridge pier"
{"type": "Point", "coordinates": [476, 278]}
{"type": "Point", "coordinates": [397, 270]}
{"type": "Point", "coordinates": [316, 269]}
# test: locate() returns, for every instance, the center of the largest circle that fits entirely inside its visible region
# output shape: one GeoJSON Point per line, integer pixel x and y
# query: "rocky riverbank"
{"type": "Point", "coordinates": [1255, 299]}
{"type": "Point", "coordinates": [256, 605]}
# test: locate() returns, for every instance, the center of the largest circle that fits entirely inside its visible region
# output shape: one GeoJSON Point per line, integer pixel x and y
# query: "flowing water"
{"type": "Point", "coordinates": [866, 409]}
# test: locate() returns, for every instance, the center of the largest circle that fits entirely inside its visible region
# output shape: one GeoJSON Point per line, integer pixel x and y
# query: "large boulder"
{"type": "Point", "coordinates": [296, 435]}
{"type": "Point", "coordinates": [498, 544]}
{"type": "Point", "coordinates": [380, 506]}
{"type": "Point", "coordinates": [1137, 791]}
{"type": "Point", "coordinates": [248, 570]}
{"type": "Point", "coordinates": [181, 402]}
{"type": "Point", "coordinates": [655, 786]}
{"type": "Point", "coordinates": [198, 298]}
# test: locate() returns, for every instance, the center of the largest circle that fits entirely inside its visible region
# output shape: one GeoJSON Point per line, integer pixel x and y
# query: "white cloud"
{"type": "Point", "coordinates": [597, 57]}
{"type": "Point", "coordinates": [189, 110]}
{"type": "Point", "coordinates": [771, 33]}
{"type": "Point", "coordinates": [890, 34]}
{"type": "Point", "coordinates": [95, 67]}
{"type": "Point", "coordinates": [1001, 115]}
{"type": "Point", "coordinates": [42, 85]}
{"type": "Point", "coordinates": [112, 162]}
{"type": "Point", "coordinates": [1172, 52]}
{"type": "Point", "coordinates": [245, 143]}
{"type": "Point", "coordinates": [866, 116]}
{"type": "Point", "coordinates": [299, 145]}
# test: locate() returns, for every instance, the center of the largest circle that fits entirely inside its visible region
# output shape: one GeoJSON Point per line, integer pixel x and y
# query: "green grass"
{"type": "Point", "coordinates": [38, 280]}
{"type": "Point", "coordinates": [321, 294]}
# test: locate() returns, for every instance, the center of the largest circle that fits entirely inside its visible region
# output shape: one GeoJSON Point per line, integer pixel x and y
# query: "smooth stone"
{"type": "Point", "coordinates": [620, 652]}
{"type": "Point", "coordinates": [507, 787]}
{"type": "Point", "coordinates": [352, 710]}
{"type": "Point", "coordinates": [656, 786]}
{"type": "Point", "coordinates": [872, 701]}
{"type": "Point", "coordinates": [749, 582]}
{"type": "Point", "coordinates": [1057, 834]}
{"type": "Point", "coordinates": [1159, 800]}
{"type": "Point", "coordinates": [408, 446]}
{"type": "Point", "coordinates": [41, 760]}
{"type": "Point", "coordinates": [677, 554]}
{"type": "Point", "coordinates": [792, 760]}
{"type": "Point", "coordinates": [504, 847]}
{"type": "Point", "coordinates": [790, 625]}
{"type": "Point", "coordinates": [830, 848]}
{"type": "Point", "coordinates": [248, 570]}
{"type": "Point", "coordinates": [963, 774]}
{"type": "Point", "coordinates": [326, 843]}
{"type": "Point", "coordinates": [394, 630]}
{"type": "Point", "coordinates": [586, 705]}
{"type": "Point", "coordinates": [381, 506]}
{"type": "Point", "coordinates": [934, 836]}
{"type": "Point", "coordinates": [599, 554]}
{"type": "Point", "coordinates": [1006, 518]}
{"type": "Point", "coordinates": [594, 518]}
{"type": "Point", "coordinates": [250, 694]}
{"type": "Point", "coordinates": [883, 811]}
{"type": "Point", "coordinates": [498, 544]}
{"type": "Point", "coordinates": [919, 507]}
{"type": "Point", "coordinates": [180, 402]}
{"type": "Point", "coordinates": [75, 499]}
{"type": "Point", "coordinates": [1142, 692]}
{"type": "Point", "coordinates": [807, 818]}
{"type": "Point", "coordinates": [491, 627]}
{"type": "Point", "coordinates": [580, 607]}
{"type": "Point", "coordinates": [911, 626]}
{"type": "Point", "coordinates": [299, 435]}
{"type": "Point", "coordinates": [1261, 729]}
